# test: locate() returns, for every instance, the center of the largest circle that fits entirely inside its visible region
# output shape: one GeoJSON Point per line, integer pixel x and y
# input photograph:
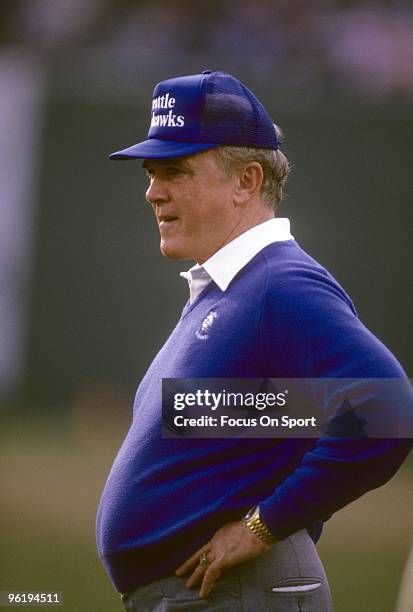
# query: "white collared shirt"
{"type": "Point", "coordinates": [225, 264]}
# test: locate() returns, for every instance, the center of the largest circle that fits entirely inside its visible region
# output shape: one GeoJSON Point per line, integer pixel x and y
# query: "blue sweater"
{"type": "Point", "coordinates": [283, 316]}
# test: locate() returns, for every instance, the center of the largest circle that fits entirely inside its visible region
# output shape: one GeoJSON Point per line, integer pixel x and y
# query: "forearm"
{"type": "Point", "coordinates": [333, 474]}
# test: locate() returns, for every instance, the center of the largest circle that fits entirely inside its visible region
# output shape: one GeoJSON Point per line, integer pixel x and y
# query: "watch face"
{"type": "Point", "coordinates": [250, 513]}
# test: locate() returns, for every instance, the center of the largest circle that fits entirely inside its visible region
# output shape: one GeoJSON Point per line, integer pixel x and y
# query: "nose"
{"type": "Point", "coordinates": [157, 192]}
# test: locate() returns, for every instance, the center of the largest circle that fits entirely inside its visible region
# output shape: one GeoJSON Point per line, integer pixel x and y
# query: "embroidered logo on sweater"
{"type": "Point", "coordinates": [202, 333]}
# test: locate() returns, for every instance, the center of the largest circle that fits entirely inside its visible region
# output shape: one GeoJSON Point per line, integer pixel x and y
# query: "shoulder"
{"type": "Point", "coordinates": [307, 310]}
{"type": "Point", "coordinates": [294, 278]}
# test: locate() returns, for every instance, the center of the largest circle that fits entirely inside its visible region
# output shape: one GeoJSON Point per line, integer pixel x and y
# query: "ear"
{"type": "Point", "coordinates": [249, 183]}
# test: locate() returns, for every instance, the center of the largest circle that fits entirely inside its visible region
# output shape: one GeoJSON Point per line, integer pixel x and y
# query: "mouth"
{"type": "Point", "coordinates": [166, 219]}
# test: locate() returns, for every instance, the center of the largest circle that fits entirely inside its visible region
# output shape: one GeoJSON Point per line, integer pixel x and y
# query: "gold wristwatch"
{"type": "Point", "coordinates": [254, 522]}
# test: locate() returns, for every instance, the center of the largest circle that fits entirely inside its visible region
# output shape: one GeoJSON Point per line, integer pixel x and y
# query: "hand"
{"type": "Point", "coordinates": [232, 544]}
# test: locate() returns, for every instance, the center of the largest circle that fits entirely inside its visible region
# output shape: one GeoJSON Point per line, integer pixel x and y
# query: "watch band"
{"type": "Point", "coordinates": [254, 522]}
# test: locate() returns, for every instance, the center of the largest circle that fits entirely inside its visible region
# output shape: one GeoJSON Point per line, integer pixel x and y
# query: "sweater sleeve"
{"type": "Point", "coordinates": [310, 316]}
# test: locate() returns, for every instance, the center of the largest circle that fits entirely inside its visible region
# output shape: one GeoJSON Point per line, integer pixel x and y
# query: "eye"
{"type": "Point", "coordinates": [165, 172]}
{"type": "Point", "coordinates": [174, 171]}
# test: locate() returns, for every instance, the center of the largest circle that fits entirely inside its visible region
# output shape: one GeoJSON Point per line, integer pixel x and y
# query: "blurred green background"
{"type": "Point", "coordinates": [99, 298]}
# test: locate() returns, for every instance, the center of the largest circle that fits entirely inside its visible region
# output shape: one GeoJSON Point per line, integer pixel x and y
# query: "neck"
{"type": "Point", "coordinates": [243, 224]}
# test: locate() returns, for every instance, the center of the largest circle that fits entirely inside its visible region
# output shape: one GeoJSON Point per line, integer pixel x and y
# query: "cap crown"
{"type": "Point", "coordinates": [195, 113]}
{"type": "Point", "coordinates": [211, 107]}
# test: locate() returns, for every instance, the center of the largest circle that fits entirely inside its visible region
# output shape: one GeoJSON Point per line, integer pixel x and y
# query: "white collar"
{"type": "Point", "coordinates": [225, 264]}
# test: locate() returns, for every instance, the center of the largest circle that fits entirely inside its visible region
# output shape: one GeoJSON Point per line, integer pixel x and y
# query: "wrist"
{"type": "Point", "coordinates": [255, 524]}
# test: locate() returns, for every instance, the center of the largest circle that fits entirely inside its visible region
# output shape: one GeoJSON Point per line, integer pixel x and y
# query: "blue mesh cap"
{"type": "Point", "coordinates": [199, 112]}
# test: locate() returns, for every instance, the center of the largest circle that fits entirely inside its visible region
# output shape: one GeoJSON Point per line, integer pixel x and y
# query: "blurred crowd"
{"type": "Point", "coordinates": [361, 48]}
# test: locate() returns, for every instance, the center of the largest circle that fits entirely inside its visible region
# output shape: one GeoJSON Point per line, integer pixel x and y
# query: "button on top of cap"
{"type": "Point", "coordinates": [207, 72]}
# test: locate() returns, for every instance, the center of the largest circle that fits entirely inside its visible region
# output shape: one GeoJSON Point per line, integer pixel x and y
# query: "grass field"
{"type": "Point", "coordinates": [53, 468]}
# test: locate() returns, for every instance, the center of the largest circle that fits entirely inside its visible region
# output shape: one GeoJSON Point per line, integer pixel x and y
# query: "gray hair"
{"type": "Point", "coordinates": [274, 164]}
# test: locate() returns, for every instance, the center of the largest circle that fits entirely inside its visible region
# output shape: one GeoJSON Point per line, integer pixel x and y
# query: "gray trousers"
{"type": "Point", "coordinates": [289, 577]}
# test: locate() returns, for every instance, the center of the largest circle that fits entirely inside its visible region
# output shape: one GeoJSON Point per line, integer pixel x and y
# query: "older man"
{"type": "Point", "coordinates": [236, 518]}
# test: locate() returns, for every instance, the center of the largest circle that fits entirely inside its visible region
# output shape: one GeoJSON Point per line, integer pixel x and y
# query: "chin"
{"type": "Point", "coordinates": [172, 252]}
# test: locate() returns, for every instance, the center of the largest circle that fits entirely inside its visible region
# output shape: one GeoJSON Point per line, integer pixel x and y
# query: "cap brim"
{"type": "Point", "coordinates": [156, 148]}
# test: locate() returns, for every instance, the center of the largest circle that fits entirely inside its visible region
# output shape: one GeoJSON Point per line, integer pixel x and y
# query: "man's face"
{"type": "Point", "coordinates": [193, 204]}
